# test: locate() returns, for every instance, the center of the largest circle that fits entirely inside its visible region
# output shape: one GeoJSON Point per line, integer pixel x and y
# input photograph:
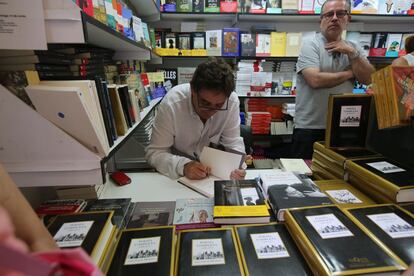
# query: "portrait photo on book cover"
{"type": "Point", "coordinates": [143, 251]}
{"type": "Point", "coordinates": [250, 196]}
{"type": "Point", "coordinates": [207, 252]}
{"type": "Point", "coordinates": [301, 190]}
{"type": "Point", "coordinates": [149, 220]}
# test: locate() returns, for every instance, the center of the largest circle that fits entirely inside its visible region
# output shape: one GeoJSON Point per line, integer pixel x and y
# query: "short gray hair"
{"type": "Point", "coordinates": [347, 4]}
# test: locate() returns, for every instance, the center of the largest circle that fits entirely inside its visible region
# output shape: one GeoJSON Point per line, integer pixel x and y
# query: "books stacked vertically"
{"type": "Point", "coordinates": [208, 252]}
{"type": "Point", "coordinates": [328, 163]}
{"type": "Point", "coordinates": [122, 207]}
{"type": "Point", "coordinates": [193, 213]}
{"type": "Point", "coordinates": [259, 122]}
{"type": "Point", "coordinates": [344, 194]}
{"type": "Point", "coordinates": [147, 251]}
{"type": "Point", "coordinates": [286, 190]}
{"type": "Point", "coordinates": [383, 179]}
{"type": "Point", "coordinates": [390, 224]}
{"type": "Point", "coordinates": [268, 249]}
{"type": "Point", "coordinates": [239, 201]}
{"type": "Point", "coordinates": [392, 91]}
{"type": "Point", "coordinates": [333, 243]}
{"type": "Point", "coordinates": [93, 231]}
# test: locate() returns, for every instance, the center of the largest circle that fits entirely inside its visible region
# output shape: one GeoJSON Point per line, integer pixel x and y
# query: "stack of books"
{"type": "Point", "coordinates": [259, 122]}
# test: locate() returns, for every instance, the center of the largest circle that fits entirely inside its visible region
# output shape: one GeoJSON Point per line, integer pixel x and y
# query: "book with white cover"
{"type": "Point", "coordinates": [213, 42]}
{"type": "Point", "coordinates": [295, 165]}
{"type": "Point", "coordinates": [66, 108]}
{"type": "Point", "coordinates": [90, 94]}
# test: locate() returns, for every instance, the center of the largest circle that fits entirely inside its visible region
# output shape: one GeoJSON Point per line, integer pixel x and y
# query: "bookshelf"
{"type": "Point", "coordinates": [186, 16]}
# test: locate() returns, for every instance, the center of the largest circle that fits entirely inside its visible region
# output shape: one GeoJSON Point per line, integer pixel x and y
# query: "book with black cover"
{"type": "Point", "coordinates": [126, 104]}
{"type": "Point", "coordinates": [391, 225]}
{"type": "Point", "coordinates": [184, 41]}
{"type": "Point", "coordinates": [207, 252]}
{"type": "Point", "coordinates": [106, 110]}
{"type": "Point", "coordinates": [198, 40]}
{"type": "Point", "coordinates": [347, 121]}
{"type": "Point", "coordinates": [92, 231]}
{"type": "Point", "coordinates": [248, 44]}
{"type": "Point", "coordinates": [307, 193]}
{"type": "Point", "coordinates": [392, 179]}
{"type": "Point", "coordinates": [151, 214]}
{"type": "Point", "coordinates": [333, 244]}
{"type": "Point", "coordinates": [239, 201]}
{"type": "Point", "coordinates": [120, 206]}
{"type": "Point", "coordinates": [268, 249]}
{"type": "Point", "coordinates": [170, 77]}
{"type": "Point", "coordinates": [147, 251]}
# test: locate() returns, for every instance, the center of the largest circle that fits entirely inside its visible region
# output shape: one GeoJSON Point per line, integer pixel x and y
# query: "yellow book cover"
{"type": "Point", "coordinates": [278, 44]}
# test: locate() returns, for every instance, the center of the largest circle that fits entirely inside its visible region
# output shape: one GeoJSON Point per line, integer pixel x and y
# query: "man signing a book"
{"type": "Point", "coordinates": [192, 116]}
{"type": "Point", "coordinates": [326, 65]}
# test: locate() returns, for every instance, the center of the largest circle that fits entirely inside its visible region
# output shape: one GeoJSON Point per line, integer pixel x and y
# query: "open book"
{"type": "Point", "coordinates": [222, 163]}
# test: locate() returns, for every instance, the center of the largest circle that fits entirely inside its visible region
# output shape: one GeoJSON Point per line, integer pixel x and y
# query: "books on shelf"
{"type": "Point", "coordinates": [231, 42]}
{"type": "Point", "coordinates": [381, 177]}
{"type": "Point", "coordinates": [152, 214]}
{"type": "Point", "coordinates": [268, 249]}
{"type": "Point", "coordinates": [319, 233]}
{"type": "Point", "coordinates": [211, 5]}
{"type": "Point", "coordinates": [209, 251]}
{"type": "Point", "coordinates": [391, 225]}
{"type": "Point", "coordinates": [193, 213]}
{"type": "Point", "coordinates": [214, 42]}
{"type": "Point", "coordinates": [278, 44]}
{"type": "Point", "coordinates": [147, 251]}
{"type": "Point", "coordinates": [93, 231]}
{"type": "Point", "coordinates": [239, 201]}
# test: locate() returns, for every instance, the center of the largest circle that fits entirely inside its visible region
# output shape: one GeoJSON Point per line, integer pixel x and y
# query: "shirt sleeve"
{"type": "Point", "coordinates": [158, 152]}
{"type": "Point", "coordinates": [230, 137]}
{"type": "Point", "coordinates": [308, 56]}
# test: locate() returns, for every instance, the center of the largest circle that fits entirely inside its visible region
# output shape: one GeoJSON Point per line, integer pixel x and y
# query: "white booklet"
{"type": "Point", "coordinates": [222, 163]}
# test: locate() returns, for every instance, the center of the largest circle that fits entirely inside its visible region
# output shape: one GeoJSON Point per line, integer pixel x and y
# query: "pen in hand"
{"type": "Point", "coordinates": [207, 169]}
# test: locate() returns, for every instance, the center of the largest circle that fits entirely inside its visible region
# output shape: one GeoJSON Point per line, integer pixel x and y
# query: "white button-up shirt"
{"type": "Point", "coordinates": [179, 135]}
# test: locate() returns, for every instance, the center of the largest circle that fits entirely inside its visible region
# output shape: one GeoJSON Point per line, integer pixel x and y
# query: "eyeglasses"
{"type": "Point", "coordinates": [206, 105]}
{"type": "Point", "coordinates": [339, 14]}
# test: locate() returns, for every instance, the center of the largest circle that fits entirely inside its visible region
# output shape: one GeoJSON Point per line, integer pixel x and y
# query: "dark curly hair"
{"type": "Point", "coordinates": [214, 74]}
{"type": "Point", "coordinates": [409, 44]}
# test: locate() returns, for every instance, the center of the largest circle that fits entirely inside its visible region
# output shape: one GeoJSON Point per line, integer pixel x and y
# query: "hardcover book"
{"type": "Point", "coordinates": [268, 249]}
{"type": "Point", "coordinates": [212, 6]}
{"type": "Point", "coordinates": [347, 121]}
{"type": "Point", "coordinates": [334, 244]}
{"type": "Point", "coordinates": [231, 42]}
{"type": "Point", "coordinates": [122, 208]}
{"type": "Point", "coordinates": [238, 202]}
{"type": "Point", "coordinates": [193, 213]}
{"type": "Point", "coordinates": [148, 251]}
{"type": "Point", "coordinates": [392, 179]}
{"type": "Point", "coordinates": [152, 214]}
{"type": "Point", "coordinates": [391, 225]}
{"type": "Point", "coordinates": [343, 193]}
{"type": "Point", "coordinates": [213, 42]}
{"type": "Point", "coordinates": [207, 252]}
{"type": "Point", "coordinates": [92, 231]}
{"type": "Point", "coordinates": [248, 44]}
{"type": "Point", "coordinates": [286, 196]}
{"type": "Point", "coordinates": [184, 41]}
{"type": "Point", "coordinates": [198, 40]}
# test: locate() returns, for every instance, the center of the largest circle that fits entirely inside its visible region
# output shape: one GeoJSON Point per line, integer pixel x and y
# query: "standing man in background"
{"type": "Point", "coordinates": [193, 115]}
{"type": "Point", "coordinates": [326, 65]}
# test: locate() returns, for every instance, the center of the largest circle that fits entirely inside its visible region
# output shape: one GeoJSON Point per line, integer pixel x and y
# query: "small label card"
{"type": "Point", "coordinates": [344, 196]}
{"type": "Point", "coordinates": [328, 226]}
{"type": "Point", "coordinates": [385, 167]}
{"type": "Point", "coordinates": [143, 251]}
{"type": "Point", "coordinates": [72, 233]}
{"type": "Point", "coordinates": [249, 195]}
{"type": "Point", "coordinates": [207, 252]}
{"type": "Point", "coordinates": [393, 225]}
{"type": "Point", "coordinates": [350, 116]}
{"type": "Point", "coordinates": [269, 246]}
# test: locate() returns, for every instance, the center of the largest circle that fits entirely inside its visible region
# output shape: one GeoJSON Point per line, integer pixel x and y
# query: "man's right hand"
{"type": "Point", "coordinates": [196, 170]}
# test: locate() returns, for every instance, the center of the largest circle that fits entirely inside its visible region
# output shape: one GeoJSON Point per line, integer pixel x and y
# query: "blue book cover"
{"type": "Point", "coordinates": [231, 42]}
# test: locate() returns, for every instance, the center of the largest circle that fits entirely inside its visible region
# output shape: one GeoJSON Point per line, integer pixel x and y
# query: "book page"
{"type": "Point", "coordinates": [222, 163]}
{"type": "Point", "coordinates": [393, 225]}
{"type": "Point", "coordinates": [204, 186]}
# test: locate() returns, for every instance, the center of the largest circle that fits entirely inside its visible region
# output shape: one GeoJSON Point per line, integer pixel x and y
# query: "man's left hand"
{"type": "Point", "coordinates": [340, 46]}
{"type": "Point", "coordinates": [238, 174]}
